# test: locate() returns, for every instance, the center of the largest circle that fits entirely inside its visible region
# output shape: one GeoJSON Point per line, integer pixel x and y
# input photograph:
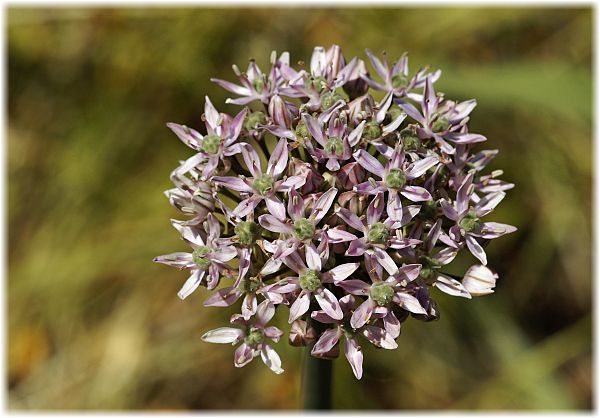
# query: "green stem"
{"type": "Point", "coordinates": [316, 382]}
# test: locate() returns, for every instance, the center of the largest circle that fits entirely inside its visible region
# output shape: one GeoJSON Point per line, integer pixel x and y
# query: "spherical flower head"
{"type": "Point", "coordinates": [310, 280]}
{"type": "Point", "coordinates": [470, 222]}
{"type": "Point", "coordinates": [246, 232]}
{"type": "Point", "coordinates": [263, 184]}
{"type": "Point", "coordinates": [364, 201]}
{"type": "Point", "coordinates": [303, 229]}
{"type": "Point", "coordinates": [381, 293]}
{"type": "Point", "coordinates": [372, 130]}
{"type": "Point", "coordinates": [210, 144]}
{"type": "Point", "coordinates": [395, 179]}
{"type": "Point", "coordinates": [199, 257]}
{"type": "Point", "coordinates": [253, 119]}
{"type": "Point", "coordinates": [335, 146]}
{"type": "Point", "coordinates": [378, 233]}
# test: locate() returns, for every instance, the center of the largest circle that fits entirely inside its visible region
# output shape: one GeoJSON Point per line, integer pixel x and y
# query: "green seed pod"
{"type": "Point", "coordinates": [399, 81]}
{"type": "Point", "coordinates": [301, 130]}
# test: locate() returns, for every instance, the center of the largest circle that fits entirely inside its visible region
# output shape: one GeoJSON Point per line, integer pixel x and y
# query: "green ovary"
{"type": "Point", "coordinates": [302, 130]}
{"type": "Point", "coordinates": [329, 99]}
{"type": "Point", "coordinates": [199, 257]}
{"type": "Point", "coordinates": [310, 281]}
{"type": "Point", "coordinates": [440, 125]}
{"type": "Point", "coordinates": [372, 130]}
{"type": "Point", "coordinates": [254, 338]}
{"type": "Point", "coordinates": [382, 293]}
{"type": "Point", "coordinates": [303, 229]}
{"type": "Point", "coordinates": [378, 233]}
{"type": "Point", "coordinates": [334, 146]}
{"type": "Point", "coordinates": [470, 222]}
{"type": "Point", "coordinates": [210, 144]}
{"type": "Point", "coordinates": [263, 184]}
{"type": "Point", "coordinates": [254, 119]}
{"type": "Point", "coordinates": [399, 81]}
{"type": "Point", "coordinates": [395, 179]}
{"type": "Point", "coordinates": [246, 232]}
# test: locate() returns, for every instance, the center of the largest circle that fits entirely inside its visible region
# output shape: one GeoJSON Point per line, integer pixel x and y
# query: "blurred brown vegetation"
{"type": "Point", "coordinates": [94, 324]}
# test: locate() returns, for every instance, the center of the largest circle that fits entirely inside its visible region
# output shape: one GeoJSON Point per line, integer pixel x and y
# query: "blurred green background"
{"type": "Point", "coordinates": [94, 324]}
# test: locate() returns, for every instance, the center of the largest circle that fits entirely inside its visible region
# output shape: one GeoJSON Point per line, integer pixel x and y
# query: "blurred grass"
{"type": "Point", "coordinates": [94, 324]}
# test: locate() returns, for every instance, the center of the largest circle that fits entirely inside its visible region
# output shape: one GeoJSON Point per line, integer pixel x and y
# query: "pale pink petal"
{"type": "Point", "coordinates": [327, 341]}
{"type": "Point", "coordinates": [343, 271]}
{"type": "Point", "coordinates": [252, 160]}
{"type": "Point", "coordinates": [355, 287]}
{"type": "Point", "coordinates": [329, 303]}
{"type": "Point", "coordinates": [313, 260]}
{"type": "Point", "coordinates": [271, 359]}
{"type": "Point", "coordinates": [451, 286]}
{"type": "Point", "coordinates": [418, 168]}
{"type": "Point", "coordinates": [476, 249]}
{"type": "Point", "coordinates": [243, 355]}
{"type": "Point", "coordinates": [299, 307]}
{"type": "Point", "coordinates": [384, 259]}
{"type": "Point", "coordinates": [271, 223]}
{"type": "Point", "coordinates": [224, 297]}
{"type": "Point", "coordinates": [191, 284]}
{"type": "Point", "coordinates": [369, 163]}
{"type": "Point", "coordinates": [375, 209]}
{"type": "Point", "coordinates": [379, 337]}
{"type": "Point", "coordinates": [351, 219]}
{"type": "Point", "coordinates": [391, 324]}
{"type": "Point", "coordinates": [479, 280]}
{"type": "Point", "coordinates": [354, 356]}
{"type": "Point", "coordinates": [362, 314]}
{"type": "Point", "coordinates": [416, 193]}
{"type": "Point", "coordinates": [409, 302]}
{"type": "Point", "coordinates": [223, 335]}
{"type": "Point", "coordinates": [275, 207]}
{"type": "Point", "coordinates": [233, 183]}
{"type": "Point", "coordinates": [322, 205]}
{"type": "Point", "coordinates": [357, 247]}
{"type": "Point", "coordinates": [279, 159]}
{"type": "Point", "coordinates": [339, 235]}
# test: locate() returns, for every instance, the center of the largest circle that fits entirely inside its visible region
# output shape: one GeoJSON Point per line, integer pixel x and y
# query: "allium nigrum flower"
{"type": "Point", "coordinates": [342, 209]}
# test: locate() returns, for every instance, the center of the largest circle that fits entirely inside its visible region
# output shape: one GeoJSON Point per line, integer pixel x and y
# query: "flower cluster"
{"type": "Point", "coordinates": [338, 192]}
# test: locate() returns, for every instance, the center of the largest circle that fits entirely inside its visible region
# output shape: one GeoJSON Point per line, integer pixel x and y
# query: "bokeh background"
{"type": "Point", "coordinates": [94, 324]}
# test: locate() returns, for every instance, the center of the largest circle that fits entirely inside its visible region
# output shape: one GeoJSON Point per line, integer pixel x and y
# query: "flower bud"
{"type": "Point", "coordinates": [350, 175]}
{"type": "Point", "coordinates": [301, 334]}
{"type": "Point", "coordinates": [279, 112]}
{"type": "Point", "coordinates": [479, 280]}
